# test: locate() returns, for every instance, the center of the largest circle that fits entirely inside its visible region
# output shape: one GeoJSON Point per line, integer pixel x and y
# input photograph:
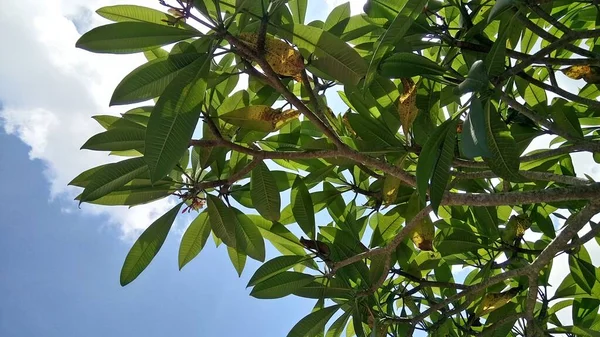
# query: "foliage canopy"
{"type": "Point", "coordinates": [425, 171]}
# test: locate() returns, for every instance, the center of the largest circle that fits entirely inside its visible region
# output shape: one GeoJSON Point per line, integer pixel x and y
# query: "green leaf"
{"type": "Point", "coordinates": [264, 193]}
{"type": "Point", "coordinates": [474, 137]}
{"type": "Point", "coordinates": [302, 207]}
{"type": "Point", "coordinates": [583, 272]}
{"type": "Point", "coordinates": [429, 157]}
{"type": "Point", "coordinates": [274, 267]}
{"type": "Point", "coordinates": [281, 285]}
{"type": "Point", "coordinates": [237, 259]}
{"type": "Point", "coordinates": [337, 15]}
{"type": "Point", "coordinates": [496, 59]}
{"type": "Point", "coordinates": [333, 56]}
{"type": "Point", "coordinates": [147, 246]}
{"type": "Point", "coordinates": [477, 79]}
{"type": "Point", "coordinates": [136, 192]}
{"type": "Point", "coordinates": [194, 239]}
{"type": "Point", "coordinates": [133, 13]}
{"type": "Point", "coordinates": [174, 119]}
{"type": "Point", "coordinates": [393, 34]}
{"type": "Point", "coordinates": [248, 238]}
{"type": "Point", "coordinates": [314, 322]}
{"type": "Point", "coordinates": [387, 226]}
{"type": "Point", "coordinates": [504, 160]}
{"type": "Point", "coordinates": [118, 139]}
{"type": "Point", "coordinates": [337, 327]}
{"type": "Point", "coordinates": [222, 220]}
{"type": "Point", "coordinates": [456, 241]}
{"type": "Point", "coordinates": [131, 37]}
{"type": "Point", "coordinates": [298, 9]}
{"type": "Point", "coordinates": [85, 177]}
{"type": "Point", "coordinates": [150, 79]}
{"type": "Point", "coordinates": [112, 176]}
{"type": "Point", "coordinates": [441, 171]}
{"type": "Point", "coordinates": [486, 219]}
{"type": "Point", "coordinates": [566, 119]}
{"type": "Point", "coordinates": [499, 7]}
{"type": "Point", "coordinates": [401, 65]}
{"type": "Point", "coordinates": [585, 311]}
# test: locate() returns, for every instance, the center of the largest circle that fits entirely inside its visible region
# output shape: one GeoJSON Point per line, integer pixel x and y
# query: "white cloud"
{"type": "Point", "coordinates": [50, 89]}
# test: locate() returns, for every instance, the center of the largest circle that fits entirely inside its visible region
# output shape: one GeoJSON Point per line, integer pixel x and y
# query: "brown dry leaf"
{"type": "Point", "coordinates": [407, 105]}
{"type": "Point", "coordinates": [283, 58]}
{"type": "Point", "coordinates": [423, 234]}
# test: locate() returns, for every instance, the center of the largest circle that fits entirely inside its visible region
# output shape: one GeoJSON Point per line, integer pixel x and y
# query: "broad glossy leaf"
{"type": "Point", "coordinates": [504, 160]}
{"type": "Point", "coordinates": [499, 7]}
{"type": "Point", "coordinates": [565, 117]}
{"type": "Point", "coordinates": [173, 119]}
{"type": "Point", "coordinates": [456, 241]}
{"type": "Point", "coordinates": [150, 79]}
{"type": "Point", "coordinates": [585, 312]}
{"type": "Point", "coordinates": [302, 207]}
{"type": "Point", "coordinates": [264, 193]}
{"type": "Point", "coordinates": [441, 172]}
{"type": "Point", "coordinates": [333, 56]}
{"type": "Point", "coordinates": [298, 9]}
{"type": "Point", "coordinates": [393, 34]}
{"type": "Point", "coordinates": [194, 239]}
{"type": "Point", "coordinates": [401, 65]}
{"type": "Point", "coordinates": [313, 322]}
{"type": "Point", "coordinates": [583, 272]}
{"type": "Point", "coordinates": [429, 157]}
{"type": "Point", "coordinates": [137, 192]}
{"type": "Point", "coordinates": [338, 14]}
{"type": "Point", "coordinates": [133, 13]}
{"type": "Point", "coordinates": [274, 267]}
{"type": "Point", "coordinates": [147, 246]}
{"type": "Point", "coordinates": [222, 220]}
{"type": "Point", "coordinates": [248, 238]}
{"type": "Point", "coordinates": [477, 79]}
{"type": "Point", "coordinates": [237, 259]}
{"type": "Point", "coordinates": [112, 176]}
{"type": "Point", "coordinates": [495, 60]}
{"type": "Point", "coordinates": [117, 139]}
{"type": "Point", "coordinates": [281, 285]}
{"type": "Point", "coordinates": [336, 329]}
{"type": "Point", "coordinates": [131, 37]}
{"type": "Point", "coordinates": [474, 137]}
{"type": "Point", "coordinates": [85, 177]}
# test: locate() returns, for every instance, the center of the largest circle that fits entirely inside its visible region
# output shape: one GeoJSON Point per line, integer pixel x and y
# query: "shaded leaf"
{"type": "Point", "coordinates": [313, 322]}
{"type": "Point", "coordinates": [274, 267]}
{"type": "Point", "coordinates": [281, 285]}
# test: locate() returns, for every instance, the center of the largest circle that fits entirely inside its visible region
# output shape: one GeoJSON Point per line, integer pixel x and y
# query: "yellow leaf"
{"type": "Point", "coordinates": [590, 74]}
{"type": "Point", "coordinates": [285, 117]}
{"type": "Point", "coordinates": [422, 235]}
{"type": "Point", "coordinates": [407, 105]}
{"type": "Point", "coordinates": [515, 228]}
{"type": "Point", "coordinates": [391, 185]}
{"type": "Point", "coordinates": [493, 301]}
{"type": "Point", "coordinates": [283, 58]}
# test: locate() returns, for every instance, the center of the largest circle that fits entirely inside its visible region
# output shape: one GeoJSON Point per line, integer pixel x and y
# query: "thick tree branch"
{"type": "Point", "coordinates": [531, 175]}
{"type": "Point", "coordinates": [573, 225]}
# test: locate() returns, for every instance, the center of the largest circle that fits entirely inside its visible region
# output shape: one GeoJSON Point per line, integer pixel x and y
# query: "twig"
{"type": "Point", "coordinates": [557, 90]}
{"type": "Point", "coordinates": [532, 175]}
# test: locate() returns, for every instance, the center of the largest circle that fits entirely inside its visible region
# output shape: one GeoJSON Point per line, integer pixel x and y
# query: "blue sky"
{"type": "Point", "coordinates": [60, 265]}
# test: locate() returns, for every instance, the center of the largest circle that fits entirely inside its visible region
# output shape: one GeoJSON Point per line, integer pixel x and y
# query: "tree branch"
{"type": "Point", "coordinates": [532, 175]}
{"type": "Point", "coordinates": [575, 98]}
